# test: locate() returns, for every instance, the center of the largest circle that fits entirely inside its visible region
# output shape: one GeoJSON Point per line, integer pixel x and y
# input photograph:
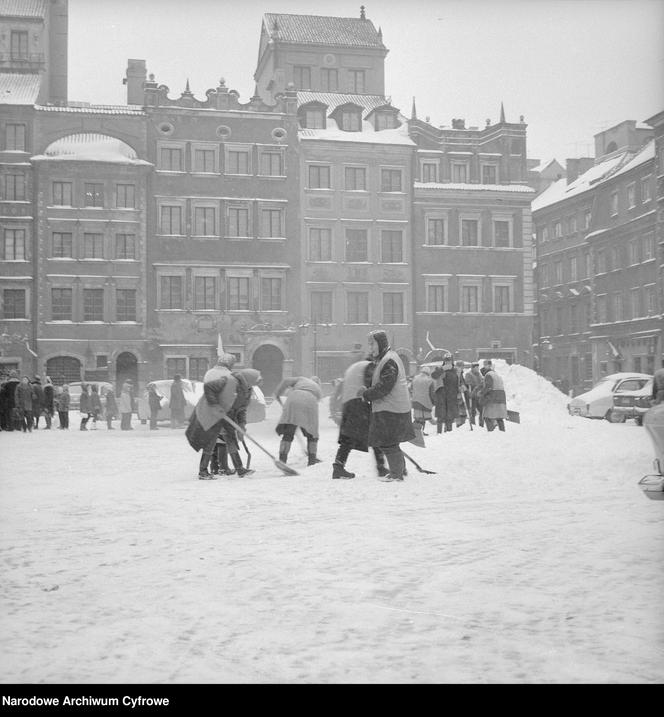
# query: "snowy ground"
{"type": "Point", "coordinates": [532, 556]}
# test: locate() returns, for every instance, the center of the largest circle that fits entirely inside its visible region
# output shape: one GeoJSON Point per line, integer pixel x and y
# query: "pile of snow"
{"type": "Point", "coordinates": [528, 392]}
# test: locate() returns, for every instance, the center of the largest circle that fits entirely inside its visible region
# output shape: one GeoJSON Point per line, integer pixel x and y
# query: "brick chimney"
{"type": "Point", "coordinates": [577, 166]}
{"type": "Point", "coordinates": [136, 76]}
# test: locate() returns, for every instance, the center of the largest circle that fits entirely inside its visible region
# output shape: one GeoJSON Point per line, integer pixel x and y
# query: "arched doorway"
{"type": "Point", "coordinates": [269, 360]}
{"type": "Point", "coordinates": [126, 367]}
{"type": "Point", "coordinates": [63, 369]}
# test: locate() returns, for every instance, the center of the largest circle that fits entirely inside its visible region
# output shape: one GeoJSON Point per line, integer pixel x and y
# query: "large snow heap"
{"type": "Point", "coordinates": [528, 392]}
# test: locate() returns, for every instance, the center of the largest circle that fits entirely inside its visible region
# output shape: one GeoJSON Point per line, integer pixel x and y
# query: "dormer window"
{"type": "Point", "coordinates": [312, 116]}
{"type": "Point", "coordinates": [385, 120]}
{"type": "Point", "coordinates": [351, 120]}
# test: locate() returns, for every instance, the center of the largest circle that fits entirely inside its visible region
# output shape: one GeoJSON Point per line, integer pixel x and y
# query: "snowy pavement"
{"type": "Point", "coordinates": [532, 556]}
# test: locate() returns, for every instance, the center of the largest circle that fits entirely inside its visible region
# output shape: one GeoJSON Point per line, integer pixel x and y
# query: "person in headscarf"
{"type": "Point", "coordinates": [300, 410]}
{"type": "Point", "coordinates": [390, 422]}
{"type": "Point", "coordinates": [219, 393]}
{"type": "Point", "coordinates": [494, 401]}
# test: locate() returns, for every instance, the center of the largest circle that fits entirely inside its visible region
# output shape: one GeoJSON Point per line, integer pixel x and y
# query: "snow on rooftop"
{"type": "Point", "coordinates": [475, 187]}
{"type": "Point", "coordinates": [368, 135]}
{"type": "Point", "coordinates": [93, 148]}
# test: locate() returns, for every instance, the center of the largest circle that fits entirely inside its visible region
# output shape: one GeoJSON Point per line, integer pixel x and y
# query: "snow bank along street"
{"type": "Point", "coordinates": [531, 556]}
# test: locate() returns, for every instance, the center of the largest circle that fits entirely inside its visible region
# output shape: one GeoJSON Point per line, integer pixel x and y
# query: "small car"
{"type": "Point", "coordinates": [632, 404]}
{"type": "Point", "coordinates": [598, 402]}
{"type": "Point", "coordinates": [192, 390]}
{"type": "Point", "coordinates": [75, 391]}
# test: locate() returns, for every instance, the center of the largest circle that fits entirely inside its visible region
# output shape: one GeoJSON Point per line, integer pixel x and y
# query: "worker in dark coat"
{"type": "Point", "coordinates": [390, 423]}
{"type": "Point", "coordinates": [49, 401]}
{"type": "Point", "coordinates": [8, 402]}
{"type": "Point", "coordinates": [24, 401]}
{"type": "Point", "coordinates": [447, 395]}
{"type": "Point", "coordinates": [177, 402]}
{"type": "Point", "coordinates": [474, 381]}
{"type": "Point", "coordinates": [219, 392]}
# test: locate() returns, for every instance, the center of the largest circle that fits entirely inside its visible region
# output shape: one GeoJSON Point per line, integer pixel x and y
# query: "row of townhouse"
{"type": "Point", "coordinates": [133, 237]}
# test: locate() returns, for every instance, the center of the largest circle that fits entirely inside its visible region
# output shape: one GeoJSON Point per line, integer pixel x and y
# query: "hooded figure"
{"type": "Point", "coordinates": [299, 409]}
{"type": "Point", "coordinates": [390, 422]}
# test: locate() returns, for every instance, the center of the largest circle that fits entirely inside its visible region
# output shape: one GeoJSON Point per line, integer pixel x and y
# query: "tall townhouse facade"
{"type": "Point", "coordinates": [355, 186]}
{"type": "Point", "coordinates": [223, 244]}
{"type": "Point", "coordinates": [597, 263]}
{"type": "Point", "coordinates": [472, 245]}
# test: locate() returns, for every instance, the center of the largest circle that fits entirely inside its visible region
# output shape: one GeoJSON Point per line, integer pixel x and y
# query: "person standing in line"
{"type": "Point", "coordinates": [447, 395]}
{"type": "Point", "coordinates": [355, 420]}
{"type": "Point", "coordinates": [154, 401]}
{"type": "Point", "coordinates": [474, 381]}
{"type": "Point", "coordinates": [85, 406]}
{"type": "Point", "coordinates": [494, 401]}
{"type": "Point", "coordinates": [462, 399]}
{"type": "Point", "coordinates": [24, 400]}
{"type": "Point", "coordinates": [177, 402]}
{"type": "Point", "coordinates": [95, 405]}
{"type": "Point", "coordinates": [38, 404]}
{"type": "Point", "coordinates": [390, 423]}
{"type": "Point", "coordinates": [63, 401]}
{"type": "Point", "coordinates": [125, 407]}
{"type": "Point", "coordinates": [110, 408]}
{"type": "Point", "coordinates": [49, 401]}
{"type": "Point", "coordinates": [300, 410]}
{"type": "Point", "coordinates": [8, 403]}
{"type": "Point", "coordinates": [423, 398]}
{"type": "Point", "coordinates": [219, 393]}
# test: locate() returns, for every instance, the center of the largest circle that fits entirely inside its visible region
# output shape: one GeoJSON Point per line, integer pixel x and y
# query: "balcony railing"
{"type": "Point", "coordinates": [22, 61]}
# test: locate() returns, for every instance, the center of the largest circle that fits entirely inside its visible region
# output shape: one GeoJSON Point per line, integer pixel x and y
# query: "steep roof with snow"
{"type": "Point", "coordinates": [18, 89]}
{"type": "Point", "coordinates": [23, 8]}
{"type": "Point", "coordinates": [91, 148]}
{"type": "Point", "coordinates": [324, 30]}
{"type": "Point", "coordinates": [336, 99]}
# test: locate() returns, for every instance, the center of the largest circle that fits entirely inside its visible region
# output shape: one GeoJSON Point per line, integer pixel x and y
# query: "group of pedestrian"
{"type": "Point", "coordinates": [23, 402]}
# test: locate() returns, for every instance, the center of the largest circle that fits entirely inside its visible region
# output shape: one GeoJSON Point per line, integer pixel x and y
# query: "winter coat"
{"type": "Point", "coordinates": [447, 394]}
{"type": "Point", "coordinates": [389, 391]}
{"type": "Point", "coordinates": [494, 402]}
{"type": "Point", "coordinates": [177, 401]}
{"type": "Point", "coordinates": [219, 394]}
{"type": "Point", "coordinates": [246, 379]}
{"type": "Point", "coordinates": [355, 412]}
{"type": "Point", "coordinates": [301, 404]}
{"type": "Point", "coordinates": [94, 405]}
{"type": "Point", "coordinates": [85, 404]}
{"type": "Point", "coordinates": [125, 402]}
{"type": "Point", "coordinates": [63, 399]}
{"type": "Point", "coordinates": [154, 399]}
{"type": "Point", "coordinates": [423, 392]}
{"type": "Point", "coordinates": [49, 398]}
{"type": "Point", "coordinates": [24, 397]}
{"type": "Point", "coordinates": [38, 401]}
{"type": "Point", "coordinates": [9, 394]}
{"type": "Point", "coordinates": [111, 405]}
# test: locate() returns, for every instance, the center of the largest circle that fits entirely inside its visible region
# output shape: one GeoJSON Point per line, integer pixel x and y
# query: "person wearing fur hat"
{"type": "Point", "coordinates": [390, 422]}
{"type": "Point", "coordinates": [219, 393]}
{"type": "Point", "coordinates": [300, 409]}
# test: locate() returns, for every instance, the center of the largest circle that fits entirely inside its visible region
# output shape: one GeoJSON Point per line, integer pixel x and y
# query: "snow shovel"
{"type": "Point", "coordinates": [417, 465]}
{"type": "Point", "coordinates": [248, 454]}
{"type": "Point", "coordinates": [280, 464]}
{"type": "Point", "coordinates": [514, 416]}
{"type": "Point", "coordinates": [419, 438]}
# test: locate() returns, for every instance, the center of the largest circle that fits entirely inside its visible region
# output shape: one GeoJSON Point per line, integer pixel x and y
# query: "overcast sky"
{"type": "Point", "coordinates": [570, 67]}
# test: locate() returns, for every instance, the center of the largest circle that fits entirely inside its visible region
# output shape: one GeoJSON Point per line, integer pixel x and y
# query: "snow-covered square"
{"type": "Point", "coordinates": [531, 556]}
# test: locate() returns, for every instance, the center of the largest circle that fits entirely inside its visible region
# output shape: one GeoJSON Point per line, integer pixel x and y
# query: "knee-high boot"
{"type": "Point", "coordinates": [338, 467]}
{"type": "Point", "coordinates": [380, 462]}
{"type": "Point", "coordinates": [397, 464]}
{"type": "Point", "coordinates": [312, 446]}
{"type": "Point", "coordinates": [284, 448]}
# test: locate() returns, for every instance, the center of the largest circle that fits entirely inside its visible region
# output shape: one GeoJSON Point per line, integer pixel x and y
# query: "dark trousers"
{"type": "Point", "coordinates": [27, 420]}
{"type": "Point", "coordinates": [491, 423]}
{"type": "Point", "coordinates": [64, 419]}
{"type": "Point", "coordinates": [345, 447]}
{"type": "Point", "coordinates": [125, 422]}
{"type": "Point", "coordinates": [153, 418]}
{"type": "Point", "coordinates": [109, 421]}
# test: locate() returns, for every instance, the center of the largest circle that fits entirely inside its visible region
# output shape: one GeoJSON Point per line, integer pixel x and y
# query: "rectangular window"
{"type": "Point", "coordinates": [459, 173]}
{"type": "Point", "coordinates": [205, 293]}
{"type": "Point", "coordinates": [15, 137]}
{"type": "Point", "coordinates": [435, 231]}
{"type": "Point", "coordinates": [204, 161]}
{"type": "Point", "coordinates": [197, 369]}
{"type": "Point", "coordinates": [391, 245]}
{"type": "Point", "coordinates": [205, 224]}
{"type": "Point", "coordinates": [618, 306]}
{"type": "Point", "coordinates": [302, 77]}
{"type": "Point", "coordinates": [501, 299]}
{"type": "Point", "coordinates": [631, 195]}
{"type": "Point", "coordinates": [651, 300]}
{"type": "Point", "coordinates": [314, 119]}
{"type": "Point", "coordinates": [573, 270]}
{"type": "Point", "coordinates": [572, 224]}
{"type": "Point", "coordinates": [329, 79]}
{"type": "Point", "coordinates": [14, 304]}
{"type": "Point", "coordinates": [648, 247]}
{"type": "Point", "coordinates": [125, 246]}
{"type": "Point", "coordinates": [125, 196]}
{"type": "Point", "coordinates": [171, 220]}
{"type": "Point", "coordinates": [171, 292]}
{"type": "Point", "coordinates": [385, 120]}
{"type": "Point", "coordinates": [390, 180]}
{"type": "Point", "coordinates": [586, 265]}
{"type": "Point", "coordinates": [602, 309]}
{"type": "Point", "coordinates": [62, 194]}
{"type": "Point", "coordinates": [357, 245]}
{"type": "Point", "coordinates": [351, 121]}
{"type": "Point", "coordinates": [587, 218]}
{"type": "Point", "coordinates": [272, 164]}
{"type": "Point", "coordinates": [489, 174]}
{"type": "Point", "coordinates": [15, 187]}
{"type": "Point", "coordinates": [469, 232]}
{"type": "Point", "coordinates": [429, 171]}
{"type": "Point", "coordinates": [635, 302]}
{"type": "Point", "coordinates": [125, 309]}
{"type": "Point", "coordinates": [319, 176]}
{"type": "Point", "coordinates": [635, 251]}
{"type": "Point", "coordinates": [558, 272]}
{"type": "Point", "coordinates": [93, 304]}
{"type": "Point", "coordinates": [238, 293]}
{"type": "Point", "coordinates": [393, 308]}
{"type": "Point", "coordinates": [238, 161]}
{"type": "Point", "coordinates": [501, 233]}
{"type": "Point", "coordinates": [18, 46]}
{"type": "Point", "coordinates": [614, 203]}
{"type": "Point", "coordinates": [238, 222]}
{"type": "Point", "coordinates": [170, 159]}
{"type": "Point", "coordinates": [271, 294]}
{"type": "Point", "coordinates": [62, 245]}
{"type": "Point", "coordinates": [436, 297]}
{"type": "Point", "coordinates": [357, 306]}
{"type": "Point", "coordinates": [573, 318]}
{"type": "Point", "coordinates": [646, 194]}
{"type": "Point", "coordinates": [321, 306]}
{"type": "Point", "coordinates": [357, 81]}
{"type": "Point", "coordinates": [355, 178]}
{"type": "Point", "coordinates": [271, 223]}
{"type": "Point", "coordinates": [557, 230]}
{"type": "Point", "coordinates": [470, 299]}
{"type": "Point", "coordinates": [61, 305]}
{"type": "Point", "coordinates": [93, 246]}
{"type": "Point", "coordinates": [559, 320]}
{"type": "Point", "coordinates": [94, 195]}
{"type": "Point", "coordinates": [320, 244]}
{"type": "Point", "coordinates": [176, 365]}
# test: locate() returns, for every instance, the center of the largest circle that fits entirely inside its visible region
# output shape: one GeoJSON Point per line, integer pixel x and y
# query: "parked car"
{"type": "Point", "coordinates": [192, 390]}
{"type": "Point", "coordinates": [598, 402]}
{"type": "Point", "coordinates": [632, 404]}
{"type": "Point", "coordinates": [75, 391]}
